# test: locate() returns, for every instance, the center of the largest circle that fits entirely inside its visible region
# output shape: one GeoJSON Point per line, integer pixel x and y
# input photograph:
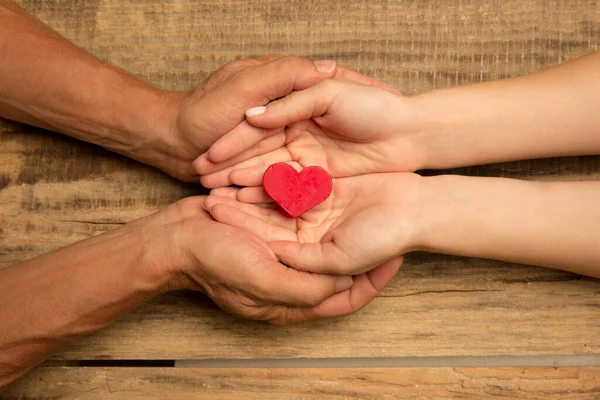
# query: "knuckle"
{"type": "Point", "coordinates": [239, 64]}
{"type": "Point", "coordinates": [284, 102]}
{"type": "Point", "coordinates": [231, 69]}
{"type": "Point", "coordinates": [313, 296]}
{"type": "Point", "coordinates": [244, 83]}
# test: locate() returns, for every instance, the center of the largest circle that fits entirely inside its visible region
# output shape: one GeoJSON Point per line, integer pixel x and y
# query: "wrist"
{"type": "Point", "coordinates": [142, 125]}
{"type": "Point", "coordinates": [449, 129]}
{"type": "Point", "coordinates": [419, 135]}
{"type": "Point", "coordinates": [428, 131]}
{"type": "Point", "coordinates": [435, 210]}
{"type": "Point", "coordinates": [472, 216]}
{"type": "Point", "coordinates": [181, 265]}
{"type": "Point", "coordinates": [154, 263]}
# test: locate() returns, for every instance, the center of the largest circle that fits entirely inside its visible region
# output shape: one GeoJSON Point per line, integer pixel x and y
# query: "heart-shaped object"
{"type": "Point", "coordinates": [297, 192]}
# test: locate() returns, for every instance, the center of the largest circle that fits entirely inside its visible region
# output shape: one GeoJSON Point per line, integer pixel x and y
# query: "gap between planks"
{"type": "Point", "coordinates": [387, 362]}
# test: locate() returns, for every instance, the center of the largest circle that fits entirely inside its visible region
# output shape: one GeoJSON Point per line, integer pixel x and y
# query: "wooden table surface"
{"type": "Point", "coordinates": [446, 327]}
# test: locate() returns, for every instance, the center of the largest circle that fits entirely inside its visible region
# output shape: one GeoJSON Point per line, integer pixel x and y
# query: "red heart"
{"type": "Point", "coordinates": [297, 192]}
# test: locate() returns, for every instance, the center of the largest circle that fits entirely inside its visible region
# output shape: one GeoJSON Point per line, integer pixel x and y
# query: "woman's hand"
{"type": "Point", "coordinates": [365, 222]}
{"type": "Point", "coordinates": [345, 127]}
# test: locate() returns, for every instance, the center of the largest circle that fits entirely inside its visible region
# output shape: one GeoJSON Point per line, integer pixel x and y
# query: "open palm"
{"type": "Point", "coordinates": [360, 226]}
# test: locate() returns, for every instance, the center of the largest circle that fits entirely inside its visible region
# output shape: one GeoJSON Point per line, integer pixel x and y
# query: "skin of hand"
{"type": "Point", "coordinates": [345, 127]}
{"type": "Point", "coordinates": [250, 282]}
{"type": "Point", "coordinates": [365, 221]}
{"type": "Point", "coordinates": [86, 286]}
{"type": "Point", "coordinates": [218, 105]}
{"type": "Point", "coordinates": [47, 81]}
{"type": "Point", "coordinates": [375, 217]}
{"type": "Point", "coordinates": [352, 130]}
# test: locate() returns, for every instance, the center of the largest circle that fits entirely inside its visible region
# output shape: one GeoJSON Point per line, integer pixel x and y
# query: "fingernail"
{"type": "Point", "coordinates": [253, 112]}
{"type": "Point", "coordinates": [325, 66]}
{"type": "Point", "coordinates": [343, 283]}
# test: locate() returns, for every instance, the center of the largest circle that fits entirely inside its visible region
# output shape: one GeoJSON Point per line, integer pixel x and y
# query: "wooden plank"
{"type": "Point", "coordinates": [54, 190]}
{"type": "Point", "coordinates": [419, 315]}
{"type": "Point", "coordinates": [414, 44]}
{"type": "Point", "coordinates": [308, 383]}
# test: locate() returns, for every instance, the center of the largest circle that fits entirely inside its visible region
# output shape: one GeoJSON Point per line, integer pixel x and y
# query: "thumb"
{"type": "Point", "coordinates": [313, 257]}
{"type": "Point", "coordinates": [298, 106]}
{"type": "Point", "coordinates": [280, 77]}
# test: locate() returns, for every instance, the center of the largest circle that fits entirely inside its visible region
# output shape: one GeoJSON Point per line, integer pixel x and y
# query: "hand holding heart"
{"type": "Point", "coordinates": [347, 129]}
{"type": "Point", "coordinates": [359, 226]}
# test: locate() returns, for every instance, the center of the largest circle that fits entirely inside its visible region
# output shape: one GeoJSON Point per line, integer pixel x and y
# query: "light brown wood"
{"type": "Point", "coordinates": [309, 383]}
{"type": "Point", "coordinates": [54, 190]}
{"type": "Point", "coordinates": [478, 317]}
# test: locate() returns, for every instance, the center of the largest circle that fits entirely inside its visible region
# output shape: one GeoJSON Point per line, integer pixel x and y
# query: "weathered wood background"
{"type": "Point", "coordinates": [55, 190]}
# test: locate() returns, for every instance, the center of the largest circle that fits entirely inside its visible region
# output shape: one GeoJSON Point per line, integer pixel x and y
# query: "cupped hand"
{"type": "Point", "coordinates": [217, 105]}
{"type": "Point", "coordinates": [366, 221]}
{"type": "Point", "coordinates": [238, 270]}
{"type": "Point", "coordinates": [348, 128]}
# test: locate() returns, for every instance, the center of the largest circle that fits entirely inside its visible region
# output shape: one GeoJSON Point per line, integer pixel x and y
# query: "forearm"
{"type": "Point", "coordinates": [545, 114]}
{"type": "Point", "coordinates": [49, 301]}
{"type": "Point", "coordinates": [554, 224]}
{"type": "Point", "coordinates": [48, 82]}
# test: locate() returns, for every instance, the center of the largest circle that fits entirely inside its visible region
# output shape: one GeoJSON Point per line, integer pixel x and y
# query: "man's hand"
{"type": "Point", "coordinates": [216, 109]}
{"type": "Point", "coordinates": [49, 301]}
{"type": "Point", "coordinates": [48, 82]}
{"type": "Point", "coordinates": [218, 105]}
{"type": "Point", "coordinates": [243, 276]}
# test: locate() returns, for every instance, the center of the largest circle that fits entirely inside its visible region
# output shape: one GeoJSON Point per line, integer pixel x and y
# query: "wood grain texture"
{"type": "Point", "coordinates": [413, 317]}
{"type": "Point", "coordinates": [54, 190]}
{"type": "Point", "coordinates": [308, 383]}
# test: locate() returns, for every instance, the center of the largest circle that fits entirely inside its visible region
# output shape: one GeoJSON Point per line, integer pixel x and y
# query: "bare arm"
{"type": "Point", "coordinates": [49, 301]}
{"type": "Point", "coordinates": [551, 224]}
{"type": "Point", "coordinates": [371, 218]}
{"type": "Point", "coordinates": [48, 82]}
{"type": "Point", "coordinates": [546, 114]}
{"type": "Point", "coordinates": [52, 300]}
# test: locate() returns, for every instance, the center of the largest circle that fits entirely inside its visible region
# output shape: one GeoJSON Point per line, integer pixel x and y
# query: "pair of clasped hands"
{"type": "Point", "coordinates": [351, 128]}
